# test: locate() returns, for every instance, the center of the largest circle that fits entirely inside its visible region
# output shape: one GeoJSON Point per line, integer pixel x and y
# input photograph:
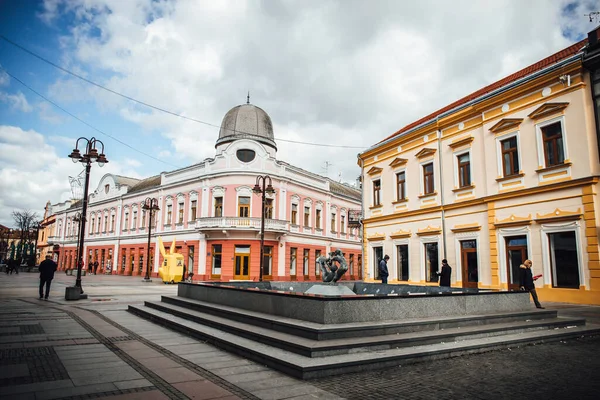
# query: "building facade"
{"type": "Point", "coordinates": [507, 173]}
{"type": "Point", "coordinates": [214, 214]}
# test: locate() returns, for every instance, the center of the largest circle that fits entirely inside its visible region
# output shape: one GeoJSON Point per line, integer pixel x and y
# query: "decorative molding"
{"type": "Point", "coordinates": [422, 196]}
{"type": "Point", "coordinates": [466, 228]}
{"type": "Point", "coordinates": [374, 171]}
{"type": "Point", "coordinates": [558, 215]}
{"type": "Point", "coordinates": [429, 231]}
{"type": "Point", "coordinates": [426, 152]}
{"type": "Point", "coordinates": [565, 164]}
{"type": "Point", "coordinates": [513, 221]}
{"type": "Point", "coordinates": [505, 124]}
{"type": "Point", "coordinates": [400, 234]}
{"type": "Point", "coordinates": [547, 109]}
{"type": "Point", "coordinates": [508, 177]}
{"type": "Point", "coordinates": [376, 236]}
{"type": "Point", "coordinates": [464, 141]}
{"type": "Point", "coordinates": [464, 188]}
{"type": "Point", "coordinates": [398, 162]}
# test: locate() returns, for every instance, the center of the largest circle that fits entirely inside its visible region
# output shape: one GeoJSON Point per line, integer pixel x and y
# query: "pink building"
{"type": "Point", "coordinates": [214, 215]}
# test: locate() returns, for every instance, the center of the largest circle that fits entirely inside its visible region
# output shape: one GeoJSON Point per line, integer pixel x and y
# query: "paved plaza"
{"type": "Point", "coordinates": [95, 349]}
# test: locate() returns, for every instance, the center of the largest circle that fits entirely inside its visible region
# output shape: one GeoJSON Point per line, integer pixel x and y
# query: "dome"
{"type": "Point", "coordinates": [247, 121]}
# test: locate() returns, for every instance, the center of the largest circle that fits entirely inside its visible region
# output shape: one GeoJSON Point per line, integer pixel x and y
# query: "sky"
{"type": "Point", "coordinates": [342, 75]}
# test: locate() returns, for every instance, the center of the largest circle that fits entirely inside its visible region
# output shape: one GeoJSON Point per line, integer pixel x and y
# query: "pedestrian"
{"type": "Point", "coordinates": [445, 273]}
{"type": "Point", "coordinates": [526, 281]}
{"type": "Point", "coordinates": [383, 269]}
{"type": "Point", "coordinates": [47, 268]}
{"type": "Point", "coordinates": [95, 266]}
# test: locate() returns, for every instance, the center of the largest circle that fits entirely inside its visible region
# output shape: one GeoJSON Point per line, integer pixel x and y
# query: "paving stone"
{"type": "Point", "coordinates": [175, 375]}
{"type": "Point", "coordinates": [254, 376]}
{"type": "Point", "coordinates": [35, 387]}
{"type": "Point", "coordinates": [132, 384]}
{"type": "Point", "coordinates": [239, 370]}
{"type": "Point", "coordinates": [275, 382]}
{"type": "Point", "coordinates": [148, 395]}
{"type": "Point", "coordinates": [20, 396]}
{"type": "Point", "coordinates": [285, 392]}
{"type": "Point", "coordinates": [13, 371]}
{"type": "Point", "coordinates": [75, 391]}
{"type": "Point", "coordinates": [202, 390]}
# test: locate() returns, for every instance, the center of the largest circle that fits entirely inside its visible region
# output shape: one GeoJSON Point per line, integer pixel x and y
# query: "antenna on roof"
{"type": "Point", "coordinates": [594, 15]}
{"type": "Point", "coordinates": [248, 98]}
{"type": "Point", "coordinates": [326, 168]}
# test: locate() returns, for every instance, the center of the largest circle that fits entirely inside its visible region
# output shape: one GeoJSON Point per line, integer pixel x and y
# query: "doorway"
{"type": "Point", "coordinates": [242, 263]}
{"type": "Point", "coordinates": [378, 253]}
{"type": "Point", "coordinates": [516, 253]}
{"type": "Point", "coordinates": [468, 262]}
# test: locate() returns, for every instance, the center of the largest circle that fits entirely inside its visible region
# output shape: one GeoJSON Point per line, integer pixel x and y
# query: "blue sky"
{"type": "Point", "coordinates": [328, 72]}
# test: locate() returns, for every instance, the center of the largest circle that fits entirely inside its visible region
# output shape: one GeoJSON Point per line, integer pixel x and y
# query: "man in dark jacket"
{"type": "Point", "coordinates": [526, 281]}
{"type": "Point", "coordinates": [47, 268]}
{"type": "Point", "coordinates": [445, 273]}
{"type": "Point", "coordinates": [383, 269]}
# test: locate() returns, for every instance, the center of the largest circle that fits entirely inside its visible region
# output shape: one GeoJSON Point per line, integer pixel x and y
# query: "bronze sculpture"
{"type": "Point", "coordinates": [330, 271]}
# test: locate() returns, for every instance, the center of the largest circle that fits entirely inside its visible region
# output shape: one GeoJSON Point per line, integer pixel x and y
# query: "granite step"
{"type": "Point", "coordinates": [315, 348]}
{"type": "Point", "coordinates": [307, 368]}
{"type": "Point", "coordinates": [316, 331]}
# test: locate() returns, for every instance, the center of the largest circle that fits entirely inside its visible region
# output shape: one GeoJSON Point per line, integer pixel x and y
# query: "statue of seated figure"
{"type": "Point", "coordinates": [333, 267]}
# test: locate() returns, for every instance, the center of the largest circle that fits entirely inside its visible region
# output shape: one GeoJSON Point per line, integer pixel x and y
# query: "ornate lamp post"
{"type": "Point", "coordinates": [260, 188]}
{"type": "Point", "coordinates": [150, 205]}
{"type": "Point", "coordinates": [37, 226]}
{"type": "Point", "coordinates": [89, 156]}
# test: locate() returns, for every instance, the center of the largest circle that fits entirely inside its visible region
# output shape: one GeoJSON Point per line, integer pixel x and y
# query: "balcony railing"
{"type": "Point", "coordinates": [240, 223]}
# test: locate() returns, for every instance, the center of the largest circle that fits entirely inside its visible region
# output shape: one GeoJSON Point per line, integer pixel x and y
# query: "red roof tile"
{"type": "Point", "coordinates": [554, 58]}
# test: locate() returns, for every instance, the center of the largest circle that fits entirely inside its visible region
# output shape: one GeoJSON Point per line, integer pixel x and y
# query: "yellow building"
{"type": "Point", "coordinates": [507, 173]}
{"type": "Point", "coordinates": [47, 228]}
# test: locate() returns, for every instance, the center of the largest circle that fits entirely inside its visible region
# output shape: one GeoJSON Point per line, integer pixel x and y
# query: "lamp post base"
{"type": "Point", "coordinates": [74, 293]}
{"type": "Point", "coordinates": [147, 280]}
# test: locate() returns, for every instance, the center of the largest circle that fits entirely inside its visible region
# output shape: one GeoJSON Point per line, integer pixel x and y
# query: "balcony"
{"type": "Point", "coordinates": [53, 239]}
{"type": "Point", "coordinates": [240, 223]}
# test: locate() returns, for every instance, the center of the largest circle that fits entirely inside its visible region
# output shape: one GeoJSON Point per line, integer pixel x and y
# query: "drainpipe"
{"type": "Point", "coordinates": [439, 140]}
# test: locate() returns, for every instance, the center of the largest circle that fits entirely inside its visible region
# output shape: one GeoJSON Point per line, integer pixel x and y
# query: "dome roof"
{"type": "Point", "coordinates": [247, 121]}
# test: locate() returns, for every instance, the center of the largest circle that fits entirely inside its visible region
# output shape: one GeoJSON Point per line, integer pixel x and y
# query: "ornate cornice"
{"type": "Point", "coordinates": [547, 109]}
{"type": "Point", "coordinates": [505, 124]}
{"type": "Point", "coordinates": [429, 231]}
{"type": "Point", "coordinates": [558, 215]}
{"type": "Point", "coordinates": [513, 221]}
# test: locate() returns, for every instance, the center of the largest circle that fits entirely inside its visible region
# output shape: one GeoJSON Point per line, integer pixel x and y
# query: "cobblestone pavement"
{"type": "Point", "coordinates": [95, 349]}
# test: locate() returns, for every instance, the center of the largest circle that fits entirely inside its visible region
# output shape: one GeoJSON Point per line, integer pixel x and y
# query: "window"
{"type": "Point", "coordinates": [333, 222]}
{"type": "Point", "coordinates": [306, 216]}
{"type": "Point", "coordinates": [190, 264]}
{"type": "Point", "coordinates": [134, 220]}
{"type": "Point", "coordinates": [402, 260]}
{"type": "Point", "coordinates": [92, 225]}
{"type": "Point", "coordinates": [267, 260]}
{"type": "Point", "coordinates": [245, 155]}
{"type": "Point", "coordinates": [169, 213]}
{"type": "Point", "coordinates": [123, 260]}
{"type": "Point", "coordinates": [99, 223]}
{"type": "Point", "coordinates": [464, 170]}
{"type": "Point", "coordinates": [126, 224]}
{"type": "Point", "coordinates": [141, 262]}
{"type": "Point", "coordinates": [180, 212]}
{"type": "Point", "coordinates": [105, 223]}
{"type": "Point", "coordinates": [269, 208]}
{"type": "Point", "coordinates": [317, 267]}
{"type": "Point", "coordinates": [293, 256]}
{"type": "Point", "coordinates": [351, 265]}
{"type": "Point", "coordinates": [244, 206]}
{"type": "Point", "coordinates": [193, 210]}
{"type": "Point", "coordinates": [431, 262]}
{"type": "Point", "coordinates": [510, 156]}
{"type": "Point", "coordinates": [428, 185]}
{"type": "Point", "coordinates": [216, 258]}
{"type": "Point", "coordinates": [318, 219]}
{"type": "Point", "coordinates": [342, 223]}
{"type": "Point", "coordinates": [377, 192]}
{"type": "Point", "coordinates": [400, 185]}
{"type": "Point", "coordinates": [112, 223]}
{"type": "Point", "coordinates": [218, 206]}
{"type": "Point", "coordinates": [143, 225]}
{"type": "Point", "coordinates": [294, 218]}
{"type": "Point", "coordinates": [305, 265]}
{"type": "Point", "coordinates": [552, 137]}
{"type": "Point", "coordinates": [564, 260]}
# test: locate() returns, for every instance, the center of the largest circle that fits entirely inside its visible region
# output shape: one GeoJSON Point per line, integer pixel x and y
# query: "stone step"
{"type": "Point", "coordinates": [308, 368]}
{"type": "Point", "coordinates": [316, 331]}
{"type": "Point", "coordinates": [314, 348]}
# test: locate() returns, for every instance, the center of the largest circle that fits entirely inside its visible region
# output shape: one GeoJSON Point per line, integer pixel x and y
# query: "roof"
{"type": "Point", "coordinates": [345, 190]}
{"type": "Point", "coordinates": [126, 181]}
{"type": "Point", "coordinates": [538, 66]}
{"type": "Point", "coordinates": [148, 183]}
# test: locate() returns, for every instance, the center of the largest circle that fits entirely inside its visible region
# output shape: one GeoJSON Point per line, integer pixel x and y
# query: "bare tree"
{"type": "Point", "coordinates": [26, 222]}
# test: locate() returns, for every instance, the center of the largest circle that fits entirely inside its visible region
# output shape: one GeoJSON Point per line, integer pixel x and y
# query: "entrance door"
{"type": "Point", "coordinates": [516, 253]}
{"type": "Point", "coordinates": [242, 263]}
{"type": "Point", "coordinates": [468, 262]}
{"type": "Point", "coordinates": [378, 253]}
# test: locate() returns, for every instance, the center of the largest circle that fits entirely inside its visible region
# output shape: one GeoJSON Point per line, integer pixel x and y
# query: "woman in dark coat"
{"type": "Point", "coordinates": [526, 281]}
{"type": "Point", "coordinates": [445, 274]}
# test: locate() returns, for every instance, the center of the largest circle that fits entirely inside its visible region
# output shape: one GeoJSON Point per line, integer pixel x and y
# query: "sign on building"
{"type": "Point", "coordinates": [354, 217]}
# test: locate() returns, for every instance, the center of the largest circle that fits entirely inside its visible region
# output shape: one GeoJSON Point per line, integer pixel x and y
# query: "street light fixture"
{"type": "Point", "coordinates": [259, 188]}
{"type": "Point", "coordinates": [150, 205]}
{"type": "Point", "coordinates": [89, 156]}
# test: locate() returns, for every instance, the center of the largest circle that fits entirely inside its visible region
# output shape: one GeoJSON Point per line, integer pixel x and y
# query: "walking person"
{"type": "Point", "coordinates": [95, 266]}
{"type": "Point", "coordinates": [47, 268]}
{"type": "Point", "coordinates": [526, 281]}
{"type": "Point", "coordinates": [383, 269]}
{"type": "Point", "coordinates": [445, 273]}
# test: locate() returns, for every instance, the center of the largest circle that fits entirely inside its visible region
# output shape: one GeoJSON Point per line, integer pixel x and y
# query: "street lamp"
{"type": "Point", "coordinates": [260, 188]}
{"type": "Point", "coordinates": [37, 227]}
{"type": "Point", "coordinates": [4, 249]}
{"type": "Point", "coordinates": [77, 218]}
{"type": "Point", "coordinates": [89, 156]}
{"type": "Point", "coordinates": [150, 205]}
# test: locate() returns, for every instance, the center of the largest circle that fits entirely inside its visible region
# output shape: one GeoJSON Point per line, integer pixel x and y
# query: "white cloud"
{"type": "Point", "coordinates": [4, 78]}
{"type": "Point", "coordinates": [16, 101]}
